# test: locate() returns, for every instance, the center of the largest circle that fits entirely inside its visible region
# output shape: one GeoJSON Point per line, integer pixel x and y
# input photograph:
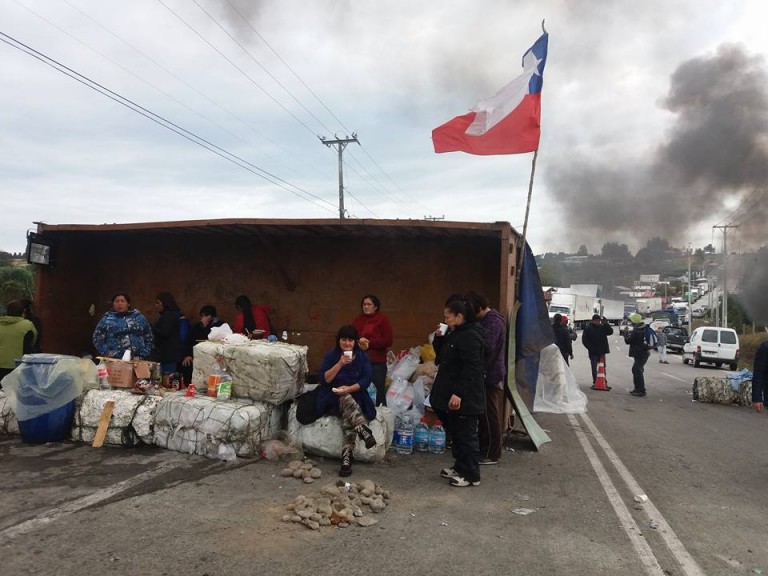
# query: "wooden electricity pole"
{"type": "Point", "coordinates": [340, 144]}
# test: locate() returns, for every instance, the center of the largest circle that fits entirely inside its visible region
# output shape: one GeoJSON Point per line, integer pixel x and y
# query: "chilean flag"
{"type": "Point", "coordinates": [506, 123]}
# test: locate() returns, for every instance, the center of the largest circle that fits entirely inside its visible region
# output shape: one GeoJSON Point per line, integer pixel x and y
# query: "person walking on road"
{"type": "Point", "coordinates": [562, 337]}
{"type": "Point", "coordinates": [661, 345]}
{"type": "Point", "coordinates": [760, 377]}
{"type": "Point", "coordinates": [639, 350]}
{"type": "Point", "coordinates": [595, 340]}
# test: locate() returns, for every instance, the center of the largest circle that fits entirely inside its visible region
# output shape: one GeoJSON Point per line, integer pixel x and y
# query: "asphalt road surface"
{"type": "Point", "coordinates": [69, 509]}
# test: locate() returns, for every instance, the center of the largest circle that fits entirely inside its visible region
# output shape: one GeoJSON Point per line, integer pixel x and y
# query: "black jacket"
{"type": "Point", "coordinates": [563, 339]}
{"type": "Point", "coordinates": [595, 338]}
{"type": "Point", "coordinates": [638, 347]}
{"type": "Point", "coordinates": [460, 369]}
{"type": "Point", "coordinates": [167, 332]}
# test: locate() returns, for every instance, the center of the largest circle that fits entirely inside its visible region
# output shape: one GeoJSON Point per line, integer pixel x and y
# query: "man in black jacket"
{"type": "Point", "coordinates": [595, 340]}
{"type": "Point", "coordinates": [760, 377]}
{"type": "Point", "coordinates": [639, 341]}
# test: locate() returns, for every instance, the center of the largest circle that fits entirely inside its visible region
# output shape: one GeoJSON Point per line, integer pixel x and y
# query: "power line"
{"type": "Point", "coordinates": [323, 104]}
{"type": "Point", "coordinates": [267, 72]}
{"type": "Point", "coordinates": [243, 72]}
{"type": "Point", "coordinates": [187, 84]}
{"type": "Point", "coordinates": [268, 45]}
{"type": "Point", "coordinates": [160, 120]}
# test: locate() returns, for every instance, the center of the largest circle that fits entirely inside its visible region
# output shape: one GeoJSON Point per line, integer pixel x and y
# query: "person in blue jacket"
{"type": "Point", "coordinates": [760, 377]}
{"type": "Point", "coordinates": [123, 328]}
{"type": "Point", "coordinates": [345, 375]}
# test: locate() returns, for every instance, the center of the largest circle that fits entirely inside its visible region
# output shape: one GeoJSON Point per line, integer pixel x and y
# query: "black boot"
{"type": "Point", "coordinates": [346, 462]}
{"type": "Point", "coordinates": [365, 434]}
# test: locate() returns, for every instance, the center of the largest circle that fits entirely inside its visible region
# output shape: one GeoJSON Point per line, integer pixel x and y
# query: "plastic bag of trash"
{"type": "Point", "coordinates": [279, 449]}
{"type": "Point", "coordinates": [406, 366]}
{"type": "Point", "coordinates": [400, 395]}
{"type": "Point", "coordinates": [220, 332]}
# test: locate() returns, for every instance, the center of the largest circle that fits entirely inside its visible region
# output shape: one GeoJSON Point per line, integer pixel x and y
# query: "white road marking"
{"type": "Point", "coordinates": [46, 518]}
{"type": "Point", "coordinates": [686, 561]}
{"type": "Point", "coordinates": [674, 377]}
{"type": "Point", "coordinates": [641, 546]}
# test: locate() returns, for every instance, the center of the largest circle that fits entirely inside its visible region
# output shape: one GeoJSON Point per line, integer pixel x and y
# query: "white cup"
{"type": "Point", "coordinates": [443, 328]}
{"type": "Point", "coordinates": [348, 353]}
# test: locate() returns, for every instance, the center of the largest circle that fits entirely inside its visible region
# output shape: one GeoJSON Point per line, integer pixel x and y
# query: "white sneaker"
{"type": "Point", "coordinates": [461, 482]}
{"type": "Point", "coordinates": [449, 473]}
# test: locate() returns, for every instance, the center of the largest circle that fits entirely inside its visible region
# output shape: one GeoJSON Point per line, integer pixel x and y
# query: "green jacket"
{"type": "Point", "coordinates": [13, 330]}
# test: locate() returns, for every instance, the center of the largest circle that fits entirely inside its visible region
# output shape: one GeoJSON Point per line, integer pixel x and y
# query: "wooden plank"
{"type": "Point", "coordinates": [101, 431]}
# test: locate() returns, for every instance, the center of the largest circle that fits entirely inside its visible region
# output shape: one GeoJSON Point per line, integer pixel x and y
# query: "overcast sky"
{"type": "Point", "coordinates": [654, 117]}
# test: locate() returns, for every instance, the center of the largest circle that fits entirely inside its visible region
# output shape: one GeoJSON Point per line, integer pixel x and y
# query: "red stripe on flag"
{"type": "Point", "coordinates": [517, 133]}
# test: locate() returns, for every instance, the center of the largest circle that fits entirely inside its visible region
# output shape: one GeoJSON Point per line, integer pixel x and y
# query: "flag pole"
{"type": "Point", "coordinates": [525, 222]}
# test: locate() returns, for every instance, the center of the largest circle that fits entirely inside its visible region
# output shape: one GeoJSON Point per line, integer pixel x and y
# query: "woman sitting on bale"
{"type": "Point", "coordinates": [345, 375]}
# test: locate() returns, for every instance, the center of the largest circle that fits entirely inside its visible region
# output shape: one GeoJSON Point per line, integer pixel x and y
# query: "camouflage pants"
{"type": "Point", "coordinates": [351, 418]}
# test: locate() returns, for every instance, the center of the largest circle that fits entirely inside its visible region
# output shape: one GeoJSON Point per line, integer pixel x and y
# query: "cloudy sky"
{"type": "Point", "coordinates": [654, 114]}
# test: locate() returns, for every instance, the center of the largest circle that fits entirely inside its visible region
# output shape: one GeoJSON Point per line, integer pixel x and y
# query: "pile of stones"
{"type": "Point", "coordinates": [340, 504]}
{"type": "Point", "coordinates": [306, 470]}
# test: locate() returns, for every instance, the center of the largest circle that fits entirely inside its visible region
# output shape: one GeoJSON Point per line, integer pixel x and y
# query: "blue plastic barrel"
{"type": "Point", "coordinates": [51, 427]}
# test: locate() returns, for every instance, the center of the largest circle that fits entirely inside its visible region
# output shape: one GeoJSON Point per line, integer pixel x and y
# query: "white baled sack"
{"type": "Point", "coordinates": [271, 372]}
{"type": "Point", "coordinates": [9, 426]}
{"type": "Point", "coordinates": [201, 425]}
{"type": "Point", "coordinates": [132, 422]}
{"type": "Point", "coordinates": [324, 436]}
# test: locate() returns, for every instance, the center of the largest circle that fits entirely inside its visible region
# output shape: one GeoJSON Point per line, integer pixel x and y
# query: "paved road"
{"type": "Point", "coordinates": [71, 510]}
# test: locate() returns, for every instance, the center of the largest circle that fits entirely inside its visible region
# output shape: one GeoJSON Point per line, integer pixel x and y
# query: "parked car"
{"type": "Point", "coordinates": [677, 336]}
{"type": "Point", "coordinates": [698, 313]}
{"type": "Point", "coordinates": [712, 345]}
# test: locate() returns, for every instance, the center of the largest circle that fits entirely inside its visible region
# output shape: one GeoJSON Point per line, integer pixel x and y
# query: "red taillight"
{"type": "Point", "coordinates": [737, 352]}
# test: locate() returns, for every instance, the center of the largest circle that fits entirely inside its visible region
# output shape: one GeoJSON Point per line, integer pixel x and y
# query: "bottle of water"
{"type": "Point", "coordinates": [372, 392]}
{"type": "Point", "coordinates": [396, 434]}
{"type": "Point", "coordinates": [421, 436]}
{"type": "Point", "coordinates": [103, 376]}
{"type": "Point", "coordinates": [437, 438]}
{"type": "Point", "coordinates": [405, 435]}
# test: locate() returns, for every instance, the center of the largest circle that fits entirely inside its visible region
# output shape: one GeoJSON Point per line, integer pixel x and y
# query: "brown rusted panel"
{"type": "Point", "coordinates": [313, 283]}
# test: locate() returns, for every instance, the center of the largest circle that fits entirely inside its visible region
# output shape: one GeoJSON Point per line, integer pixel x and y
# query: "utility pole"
{"type": "Point", "coordinates": [340, 144]}
{"type": "Point", "coordinates": [690, 294]}
{"type": "Point", "coordinates": [725, 227]}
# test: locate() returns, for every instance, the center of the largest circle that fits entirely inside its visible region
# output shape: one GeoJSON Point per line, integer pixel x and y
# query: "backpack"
{"type": "Point", "coordinates": [184, 328]}
{"type": "Point", "coordinates": [650, 337]}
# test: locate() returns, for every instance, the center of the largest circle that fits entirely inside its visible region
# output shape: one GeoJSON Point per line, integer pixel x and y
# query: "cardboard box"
{"type": "Point", "coordinates": [123, 374]}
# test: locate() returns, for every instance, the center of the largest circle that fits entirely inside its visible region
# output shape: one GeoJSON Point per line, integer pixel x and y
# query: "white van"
{"type": "Point", "coordinates": [712, 345]}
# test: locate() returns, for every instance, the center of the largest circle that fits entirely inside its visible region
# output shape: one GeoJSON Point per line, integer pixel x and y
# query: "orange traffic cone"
{"type": "Point", "coordinates": [600, 382]}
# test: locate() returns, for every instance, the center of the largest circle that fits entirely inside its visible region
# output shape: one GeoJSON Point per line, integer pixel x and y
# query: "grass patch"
{"type": "Point", "coordinates": [748, 344]}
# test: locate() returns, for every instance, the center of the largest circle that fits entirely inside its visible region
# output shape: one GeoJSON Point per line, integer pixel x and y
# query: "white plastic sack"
{"type": "Point", "coordinates": [8, 424]}
{"type": "Point", "coordinates": [264, 371]}
{"type": "Point", "coordinates": [202, 425]}
{"type": "Point", "coordinates": [400, 395]}
{"type": "Point", "coordinates": [557, 390]}
{"type": "Point", "coordinates": [132, 422]}
{"type": "Point", "coordinates": [406, 366]}
{"type": "Point", "coordinates": [220, 332]}
{"type": "Point", "coordinates": [324, 436]}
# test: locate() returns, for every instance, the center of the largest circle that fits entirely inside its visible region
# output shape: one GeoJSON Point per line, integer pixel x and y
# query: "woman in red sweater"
{"type": "Point", "coordinates": [250, 318]}
{"type": "Point", "coordinates": [375, 337]}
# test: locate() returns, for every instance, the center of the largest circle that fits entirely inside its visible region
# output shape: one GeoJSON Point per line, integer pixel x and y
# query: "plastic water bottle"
{"type": "Point", "coordinates": [421, 436]}
{"type": "Point", "coordinates": [103, 376]}
{"type": "Point", "coordinates": [405, 435]}
{"type": "Point", "coordinates": [437, 438]}
{"type": "Point", "coordinates": [372, 392]}
{"type": "Point", "coordinates": [396, 434]}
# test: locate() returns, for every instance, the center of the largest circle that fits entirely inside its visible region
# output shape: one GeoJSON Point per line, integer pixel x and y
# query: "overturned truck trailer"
{"type": "Point", "coordinates": [311, 273]}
